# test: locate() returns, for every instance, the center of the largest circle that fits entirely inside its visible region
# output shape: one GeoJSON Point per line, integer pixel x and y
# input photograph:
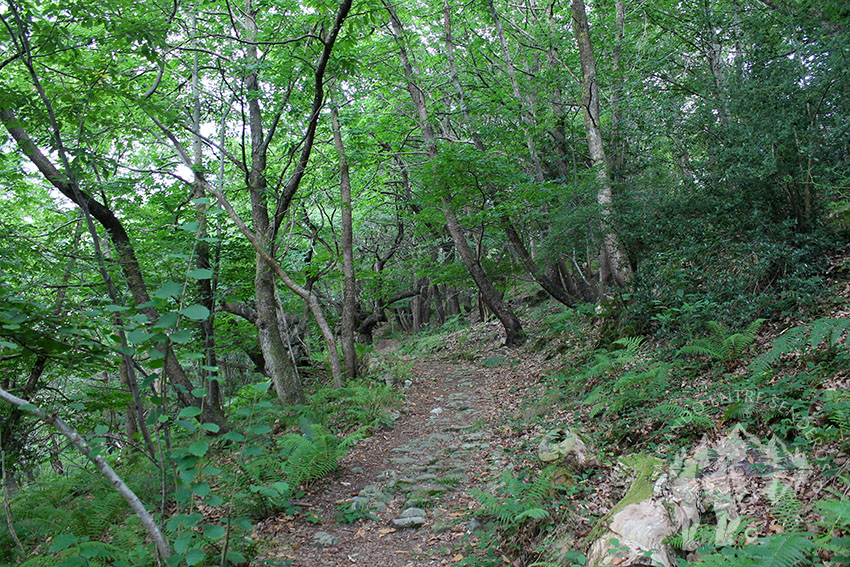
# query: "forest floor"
{"type": "Point", "coordinates": [449, 438]}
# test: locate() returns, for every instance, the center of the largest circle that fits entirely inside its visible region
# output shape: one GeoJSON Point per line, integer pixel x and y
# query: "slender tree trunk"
{"type": "Point", "coordinates": [100, 463]}
{"type": "Point", "coordinates": [202, 248]}
{"type": "Point", "coordinates": [525, 110]}
{"type": "Point", "coordinates": [513, 328]}
{"type": "Point", "coordinates": [614, 264]}
{"type": "Point", "coordinates": [349, 287]}
{"type": "Point", "coordinates": [552, 287]}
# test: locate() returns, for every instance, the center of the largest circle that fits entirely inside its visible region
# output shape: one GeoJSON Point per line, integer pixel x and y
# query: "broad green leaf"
{"type": "Point", "coordinates": [201, 489]}
{"type": "Point", "coordinates": [200, 448]}
{"type": "Point", "coordinates": [168, 289]}
{"type": "Point", "coordinates": [167, 321]}
{"type": "Point", "coordinates": [181, 337]}
{"type": "Point", "coordinates": [260, 429]}
{"type": "Point", "coordinates": [191, 411]}
{"type": "Point", "coordinates": [195, 312]}
{"type": "Point", "coordinates": [211, 427]}
{"type": "Point", "coordinates": [138, 336]}
{"type": "Point", "coordinates": [190, 226]}
{"type": "Point", "coordinates": [195, 556]}
{"type": "Point", "coordinates": [214, 532]}
{"type": "Point", "coordinates": [199, 392]}
{"type": "Point", "coordinates": [200, 274]}
{"type": "Point", "coordinates": [234, 436]}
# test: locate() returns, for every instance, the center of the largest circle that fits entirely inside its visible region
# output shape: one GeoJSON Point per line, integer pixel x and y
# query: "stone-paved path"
{"type": "Point", "coordinates": [413, 479]}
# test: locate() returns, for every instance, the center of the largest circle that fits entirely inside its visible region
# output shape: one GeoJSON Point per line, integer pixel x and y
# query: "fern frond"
{"type": "Point", "coordinates": [781, 550]}
{"type": "Point", "coordinates": [786, 505]}
{"type": "Point", "coordinates": [631, 347]}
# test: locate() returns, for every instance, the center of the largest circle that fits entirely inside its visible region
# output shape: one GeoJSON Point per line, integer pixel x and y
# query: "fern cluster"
{"type": "Point", "coordinates": [309, 456]}
{"type": "Point", "coordinates": [722, 344]}
{"type": "Point", "coordinates": [518, 502]}
{"type": "Point", "coordinates": [797, 339]}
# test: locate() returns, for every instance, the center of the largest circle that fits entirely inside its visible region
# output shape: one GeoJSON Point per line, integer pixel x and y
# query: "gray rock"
{"type": "Point", "coordinates": [473, 525]}
{"type": "Point", "coordinates": [437, 411]}
{"type": "Point", "coordinates": [639, 530]}
{"type": "Point", "coordinates": [324, 539]}
{"type": "Point", "coordinates": [413, 512]}
{"type": "Point", "coordinates": [563, 444]}
{"type": "Point", "coordinates": [410, 522]}
{"type": "Point", "coordinates": [357, 470]}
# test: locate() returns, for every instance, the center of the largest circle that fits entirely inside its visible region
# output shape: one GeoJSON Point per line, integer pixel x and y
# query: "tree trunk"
{"type": "Point", "coordinates": [614, 264]}
{"type": "Point", "coordinates": [349, 287]}
{"type": "Point", "coordinates": [279, 365]}
{"type": "Point", "coordinates": [513, 328]}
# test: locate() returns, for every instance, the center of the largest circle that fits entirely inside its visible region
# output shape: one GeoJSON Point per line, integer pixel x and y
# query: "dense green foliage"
{"type": "Point", "coordinates": [161, 161]}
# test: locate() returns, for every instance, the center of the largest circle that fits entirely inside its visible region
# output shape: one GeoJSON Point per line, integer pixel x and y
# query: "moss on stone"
{"type": "Point", "coordinates": [645, 469]}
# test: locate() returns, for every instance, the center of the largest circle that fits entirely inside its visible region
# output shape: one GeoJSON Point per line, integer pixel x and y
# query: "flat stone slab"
{"type": "Point", "coordinates": [413, 522]}
{"type": "Point", "coordinates": [324, 539]}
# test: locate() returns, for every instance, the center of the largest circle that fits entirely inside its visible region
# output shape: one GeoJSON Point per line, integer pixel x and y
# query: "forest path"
{"type": "Point", "coordinates": [417, 474]}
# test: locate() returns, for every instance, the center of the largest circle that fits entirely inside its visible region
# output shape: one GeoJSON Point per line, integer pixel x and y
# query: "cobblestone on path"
{"type": "Point", "coordinates": [409, 484]}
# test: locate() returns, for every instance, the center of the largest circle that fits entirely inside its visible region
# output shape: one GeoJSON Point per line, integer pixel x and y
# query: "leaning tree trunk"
{"type": "Point", "coordinates": [513, 328]}
{"type": "Point", "coordinates": [614, 264]}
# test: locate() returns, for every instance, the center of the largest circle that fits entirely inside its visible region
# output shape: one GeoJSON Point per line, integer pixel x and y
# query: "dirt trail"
{"type": "Point", "coordinates": [417, 474]}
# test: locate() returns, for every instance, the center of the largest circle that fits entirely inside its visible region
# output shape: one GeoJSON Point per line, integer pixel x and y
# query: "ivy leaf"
{"type": "Point", "coordinates": [195, 312]}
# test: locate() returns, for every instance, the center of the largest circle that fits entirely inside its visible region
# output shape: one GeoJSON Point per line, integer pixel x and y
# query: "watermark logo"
{"type": "Point", "coordinates": [726, 476]}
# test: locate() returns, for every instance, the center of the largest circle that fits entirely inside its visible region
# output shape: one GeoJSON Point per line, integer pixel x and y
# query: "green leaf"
{"type": "Point", "coordinates": [168, 289]}
{"type": "Point", "coordinates": [195, 312]}
{"type": "Point", "coordinates": [214, 532]}
{"type": "Point", "coordinates": [167, 321]}
{"type": "Point", "coordinates": [195, 556]}
{"type": "Point", "coordinates": [200, 274]}
{"type": "Point", "coordinates": [116, 308]}
{"type": "Point", "coordinates": [200, 448]}
{"type": "Point", "coordinates": [181, 337]}
{"type": "Point", "coordinates": [234, 436]}
{"type": "Point", "coordinates": [62, 541]}
{"type": "Point", "coordinates": [191, 411]}
{"type": "Point", "coordinates": [187, 425]}
{"type": "Point", "coordinates": [211, 427]}
{"type": "Point", "coordinates": [190, 226]}
{"type": "Point", "coordinates": [138, 336]}
{"type": "Point", "coordinates": [259, 429]}
{"type": "Point", "coordinates": [199, 392]}
{"type": "Point", "coordinates": [201, 489]}
{"type": "Point", "coordinates": [236, 558]}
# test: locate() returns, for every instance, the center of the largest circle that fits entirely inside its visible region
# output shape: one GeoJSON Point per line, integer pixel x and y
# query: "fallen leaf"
{"type": "Point", "coordinates": [385, 531]}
